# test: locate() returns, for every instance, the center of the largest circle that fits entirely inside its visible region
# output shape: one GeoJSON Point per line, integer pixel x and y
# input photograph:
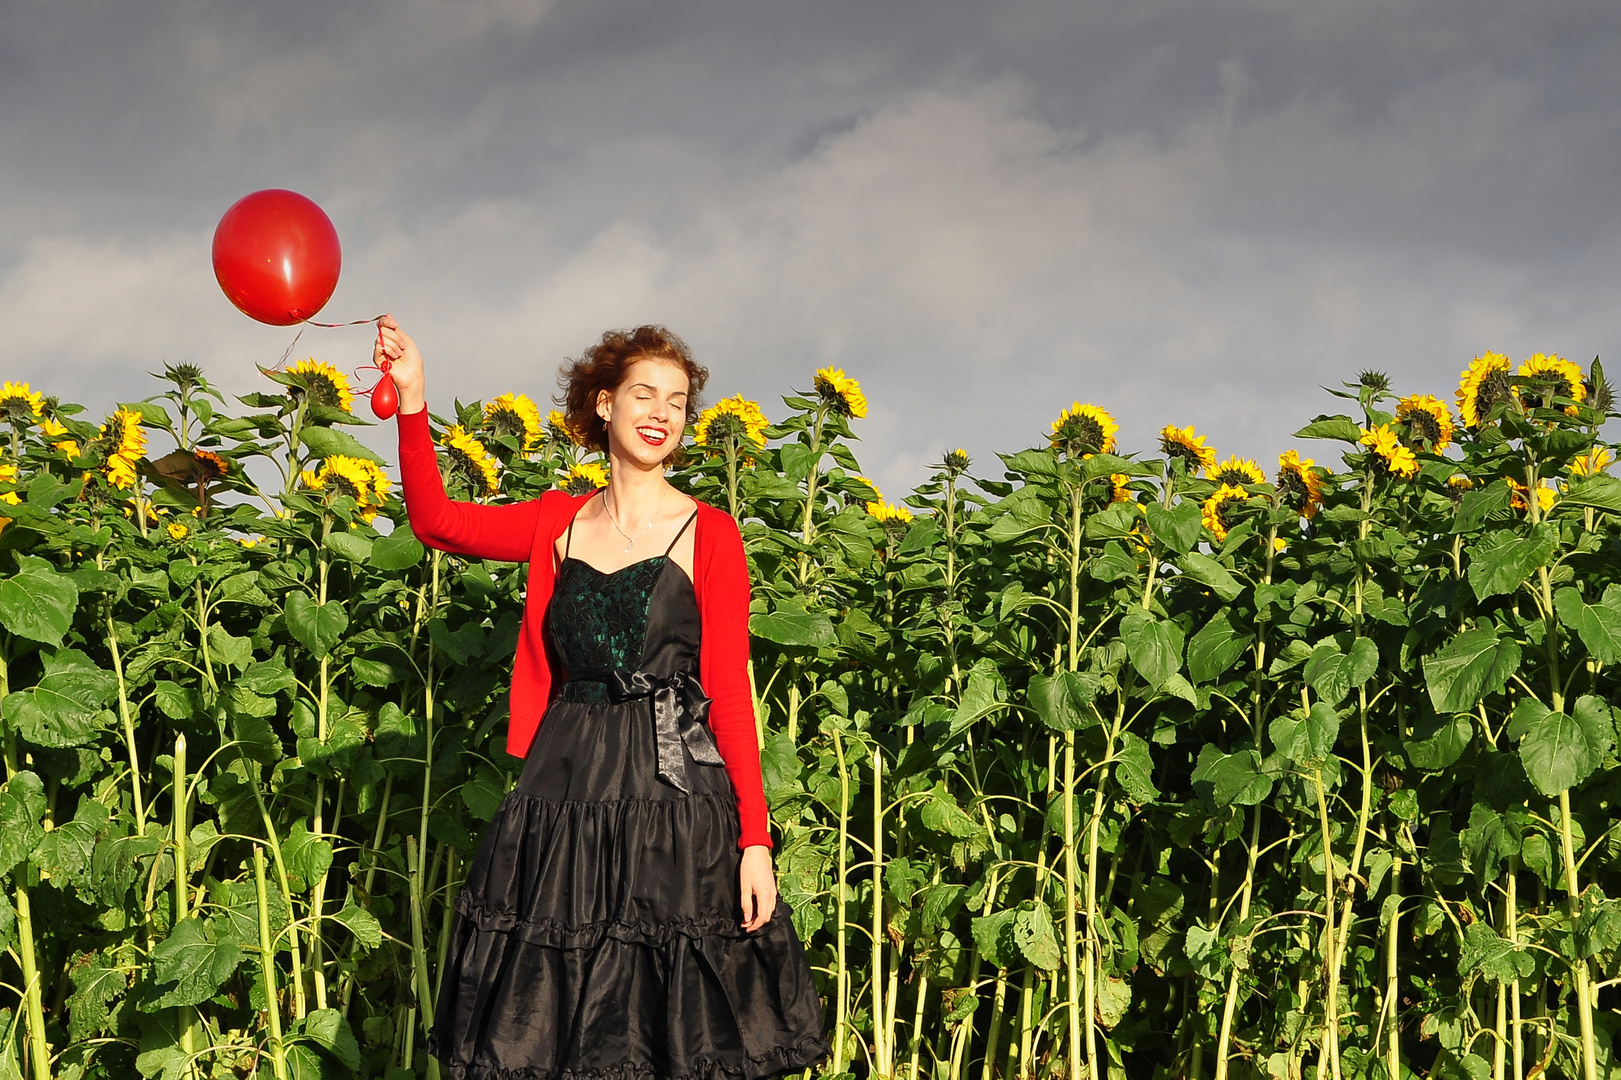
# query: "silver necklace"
{"type": "Point", "coordinates": [632, 539]}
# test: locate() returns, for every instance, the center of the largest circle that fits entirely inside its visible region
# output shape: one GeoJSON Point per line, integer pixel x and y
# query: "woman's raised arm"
{"type": "Point", "coordinates": [505, 533]}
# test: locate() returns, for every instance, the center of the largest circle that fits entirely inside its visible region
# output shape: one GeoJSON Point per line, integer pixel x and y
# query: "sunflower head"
{"type": "Point", "coordinates": [361, 480]}
{"type": "Point", "coordinates": [324, 384]}
{"type": "Point", "coordinates": [1591, 463]}
{"type": "Point", "coordinates": [558, 431]}
{"type": "Point", "coordinates": [1181, 444]}
{"type": "Point", "coordinates": [1083, 429]}
{"type": "Point", "coordinates": [584, 478]}
{"type": "Point", "coordinates": [894, 519]}
{"type": "Point", "coordinates": [516, 417]}
{"type": "Point", "coordinates": [1387, 452]}
{"type": "Point", "coordinates": [1482, 387]}
{"type": "Point", "coordinates": [1545, 496]}
{"type": "Point", "coordinates": [1554, 377]}
{"type": "Point", "coordinates": [179, 530]}
{"type": "Point", "coordinates": [1600, 396]}
{"type": "Point", "coordinates": [184, 376]}
{"type": "Point", "coordinates": [8, 476]}
{"type": "Point", "coordinates": [125, 442]}
{"type": "Point", "coordinates": [1427, 420]}
{"type": "Point", "coordinates": [840, 393]}
{"type": "Point", "coordinates": [1220, 512]}
{"type": "Point", "coordinates": [956, 462]}
{"type": "Point", "coordinates": [208, 466]}
{"type": "Point", "coordinates": [1299, 485]}
{"type": "Point", "coordinates": [19, 405]}
{"type": "Point", "coordinates": [53, 430]}
{"type": "Point", "coordinates": [731, 422]}
{"type": "Point", "coordinates": [470, 463]}
{"type": "Point", "coordinates": [1377, 381]}
{"type": "Point", "coordinates": [1119, 491]}
{"type": "Point", "coordinates": [1237, 472]}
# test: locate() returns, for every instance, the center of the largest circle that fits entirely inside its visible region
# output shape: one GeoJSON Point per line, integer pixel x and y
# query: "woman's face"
{"type": "Point", "coordinates": [647, 412]}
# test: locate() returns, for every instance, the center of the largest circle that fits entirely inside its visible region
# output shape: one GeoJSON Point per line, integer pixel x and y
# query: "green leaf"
{"type": "Point", "coordinates": [1178, 528]}
{"type": "Point", "coordinates": [1230, 779]}
{"type": "Point", "coordinates": [399, 550]}
{"type": "Point", "coordinates": [1153, 646]}
{"type": "Point", "coordinates": [324, 442]}
{"type": "Point", "coordinates": [1033, 934]}
{"type": "Point", "coordinates": [1211, 574]}
{"type": "Point", "coordinates": [328, 1029]}
{"type": "Point", "coordinates": [193, 962]}
{"type": "Point", "coordinates": [1306, 739]}
{"type": "Point", "coordinates": [21, 806]}
{"type": "Point", "coordinates": [38, 606]}
{"type": "Point", "coordinates": [1111, 523]}
{"type": "Point", "coordinates": [1216, 647]}
{"type": "Point", "coordinates": [994, 936]}
{"type": "Point", "coordinates": [790, 627]}
{"type": "Point", "coordinates": [1601, 492]}
{"type": "Point", "coordinates": [362, 924]}
{"type": "Point", "coordinates": [1557, 753]}
{"type": "Point", "coordinates": [226, 648]}
{"type": "Point", "coordinates": [1479, 504]}
{"type": "Point", "coordinates": [1469, 667]}
{"type": "Point", "coordinates": [317, 627]}
{"type": "Point", "coordinates": [345, 545]}
{"type": "Point", "coordinates": [65, 709]}
{"type": "Point", "coordinates": [1334, 674]}
{"type": "Point", "coordinates": [1063, 701]}
{"type": "Point", "coordinates": [1497, 958]}
{"type": "Point", "coordinates": [1439, 741]}
{"type": "Point", "coordinates": [942, 814]}
{"type": "Point", "coordinates": [1500, 562]}
{"type": "Point", "coordinates": [1331, 427]}
{"type": "Point", "coordinates": [1598, 625]}
{"type": "Point", "coordinates": [1135, 769]}
{"type": "Point", "coordinates": [307, 856]}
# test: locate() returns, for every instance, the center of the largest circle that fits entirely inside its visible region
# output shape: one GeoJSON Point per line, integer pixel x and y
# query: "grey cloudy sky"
{"type": "Point", "coordinates": [1188, 211]}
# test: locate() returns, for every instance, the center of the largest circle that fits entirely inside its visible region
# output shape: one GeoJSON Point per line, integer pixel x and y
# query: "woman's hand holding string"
{"type": "Point", "coordinates": [396, 346]}
{"type": "Point", "coordinates": [759, 886]}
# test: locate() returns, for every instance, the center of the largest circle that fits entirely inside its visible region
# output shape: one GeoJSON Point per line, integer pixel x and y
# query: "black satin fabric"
{"type": "Point", "coordinates": [598, 932]}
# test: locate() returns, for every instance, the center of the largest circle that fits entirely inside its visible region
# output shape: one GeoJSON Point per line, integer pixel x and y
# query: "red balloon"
{"type": "Point", "coordinates": [385, 398]}
{"type": "Point", "coordinates": [276, 255]}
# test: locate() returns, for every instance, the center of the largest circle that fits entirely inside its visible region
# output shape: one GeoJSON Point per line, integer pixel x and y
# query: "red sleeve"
{"type": "Point", "coordinates": [724, 671]}
{"type": "Point", "coordinates": [504, 533]}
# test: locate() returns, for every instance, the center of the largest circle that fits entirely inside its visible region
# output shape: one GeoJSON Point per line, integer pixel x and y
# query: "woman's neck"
{"type": "Point", "coordinates": [635, 492]}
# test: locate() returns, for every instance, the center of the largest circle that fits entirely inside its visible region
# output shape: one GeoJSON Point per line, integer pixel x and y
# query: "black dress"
{"type": "Point", "coordinates": [599, 930]}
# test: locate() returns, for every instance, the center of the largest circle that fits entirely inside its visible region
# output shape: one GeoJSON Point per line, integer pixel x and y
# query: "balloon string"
{"type": "Point", "coordinates": [282, 363]}
{"type": "Point", "coordinates": [383, 367]}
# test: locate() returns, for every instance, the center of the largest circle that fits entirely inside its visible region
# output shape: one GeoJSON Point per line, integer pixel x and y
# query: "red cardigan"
{"type": "Point", "coordinates": [527, 532]}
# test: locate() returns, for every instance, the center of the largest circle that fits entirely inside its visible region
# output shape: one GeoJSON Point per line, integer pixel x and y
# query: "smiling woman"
{"type": "Point", "coordinates": [598, 930]}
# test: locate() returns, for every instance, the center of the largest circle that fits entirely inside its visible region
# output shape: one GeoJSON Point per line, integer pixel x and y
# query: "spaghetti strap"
{"type": "Point", "coordinates": [683, 529]}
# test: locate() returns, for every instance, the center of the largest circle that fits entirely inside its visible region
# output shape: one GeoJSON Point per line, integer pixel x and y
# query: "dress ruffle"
{"type": "Point", "coordinates": [586, 945]}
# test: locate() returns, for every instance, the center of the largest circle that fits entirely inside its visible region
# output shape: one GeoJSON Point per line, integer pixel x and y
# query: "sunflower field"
{"type": "Point", "coordinates": [1106, 759]}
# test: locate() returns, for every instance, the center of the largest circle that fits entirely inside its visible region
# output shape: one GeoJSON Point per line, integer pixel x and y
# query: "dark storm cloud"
{"type": "Point", "coordinates": [1193, 212]}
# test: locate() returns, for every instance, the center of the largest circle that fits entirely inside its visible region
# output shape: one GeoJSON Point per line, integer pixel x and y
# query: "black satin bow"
{"type": "Point", "coordinates": [680, 709]}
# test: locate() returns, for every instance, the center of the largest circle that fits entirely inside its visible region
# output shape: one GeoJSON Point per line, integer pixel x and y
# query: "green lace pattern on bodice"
{"type": "Point", "coordinates": [599, 620]}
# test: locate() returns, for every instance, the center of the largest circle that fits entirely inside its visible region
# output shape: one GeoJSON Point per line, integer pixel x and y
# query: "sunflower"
{"type": "Point", "coordinates": [1299, 485]}
{"type": "Point", "coordinates": [19, 404]}
{"type": "Point", "coordinates": [1181, 444]}
{"type": "Point", "coordinates": [8, 475]}
{"type": "Point", "coordinates": [894, 519]}
{"type": "Point", "coordinates": [584, 478]}
{"type": "Point", "coordinates": [1460, 483]}
{"type": "Point", "coordinates": [1591, 463]}
{"type": "Point", "coordinates": [1484, 385]}
{"type": "Point", "coordinates": [126, 440]}
{"type": "Point", "coordinates": [516, 416]}
{"type": "Point", "coordinates": [357, 478]}
{"type": "Point", "coordinates": [469, 461]}
{"type": "Point", "coordinates": [51, 428]}
{"type": "Point", "coordinates": [1429, 422]}
{"type": "Point", "coordinates": [871, 486]}
{"type": "Point", "coordinates": [325, 384]}
{"type": "Point", "coordinates": [179, 530]}
{"type": "Point", "coordinates": [1545, 496]}
{"type": "Point", "coordinates": [956, 461]}
{"type": "Point", "coordinates": [1118, 491]}
{"type": "Point", "coordinates": [1084, 429]}
{"type": "Point", "coordinates": [1557, 378]}
{"type": "Point", "coordinates": [1389, 453]}
{"type": "Point", "coordinates": [209, 466]}
{"type": "Point", "coordinates": [557, 429]}
{"type": "Point", "coordinates": [1238, 472]}
{"type": "Point", "coordinates": [731, 421]}
{"type": "Point", "coordinates": [840, 393]}
{"type": "Point", "coordinates": [1219, 511]}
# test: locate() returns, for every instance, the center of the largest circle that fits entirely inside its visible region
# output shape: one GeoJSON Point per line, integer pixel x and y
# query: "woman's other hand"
{"type": "Point", "coordinates": [759, 886]}
{"type": "Point", "coordinates": [396, 346]}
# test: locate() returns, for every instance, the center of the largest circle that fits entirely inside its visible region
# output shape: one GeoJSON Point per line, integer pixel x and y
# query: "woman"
{"type": "Point", "coordinates": [598, 931]}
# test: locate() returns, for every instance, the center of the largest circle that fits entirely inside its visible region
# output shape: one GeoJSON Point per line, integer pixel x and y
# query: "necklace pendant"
{"type": "Point", "coordinates": [628, 547]}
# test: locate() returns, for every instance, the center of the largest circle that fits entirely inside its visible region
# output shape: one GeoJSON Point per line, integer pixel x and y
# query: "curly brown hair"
{"type": "Point", "coordinates": [603, 366]}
